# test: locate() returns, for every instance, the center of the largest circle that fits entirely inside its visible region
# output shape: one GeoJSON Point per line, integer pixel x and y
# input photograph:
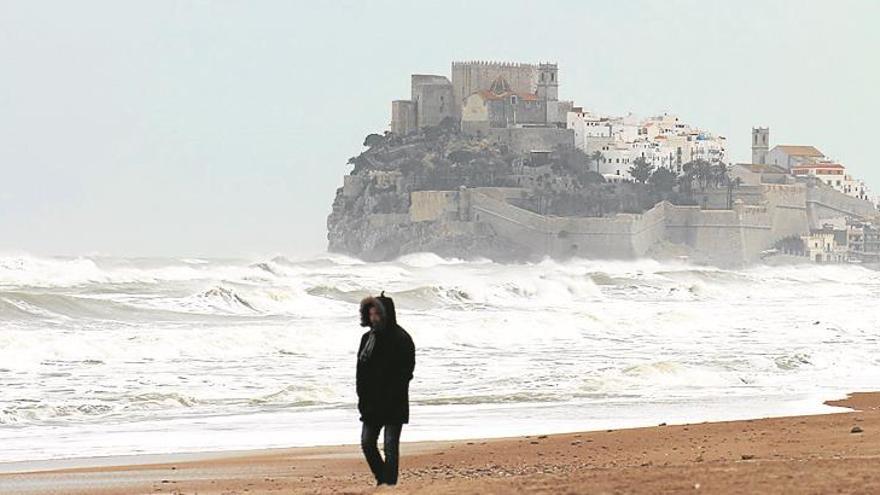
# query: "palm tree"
{"type": "Point", "coordinates": [720, 175]}
{"type": "Point", "coordinates": [686, 181]}
{"type": "Point", "coordinates": [703, 172]}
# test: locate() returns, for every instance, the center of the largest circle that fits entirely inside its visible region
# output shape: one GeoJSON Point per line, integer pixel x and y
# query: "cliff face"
{"type": "Point", "coordinates": [370, 216]}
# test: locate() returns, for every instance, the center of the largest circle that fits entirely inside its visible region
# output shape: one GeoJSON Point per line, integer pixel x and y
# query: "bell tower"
{"type": "Point", "coordinates": [548, 91]}
{"type": "Point", "coordinates": [548, 82]}
{"type": "Point", "coordinates": [760, 144]}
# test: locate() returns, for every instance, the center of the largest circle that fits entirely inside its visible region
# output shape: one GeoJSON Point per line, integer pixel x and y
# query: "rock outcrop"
{"type": "Point", "coordinates": [371, 212]}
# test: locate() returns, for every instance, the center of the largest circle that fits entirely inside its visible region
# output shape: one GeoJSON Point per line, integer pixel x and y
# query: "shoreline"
{"type": "Point", "coordinates": [777, 455]}
{"type": "Point", "coordinates": [810, 405]}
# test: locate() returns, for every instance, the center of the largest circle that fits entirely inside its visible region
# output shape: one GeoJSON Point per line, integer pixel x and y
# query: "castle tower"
{"type": "Point", "coordinates": [548, 90]}
{"type": "Point", "coordinates": [760, 144]}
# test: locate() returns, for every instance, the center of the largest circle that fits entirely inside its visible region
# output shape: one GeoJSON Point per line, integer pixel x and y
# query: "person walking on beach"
{"type": "Point", "coordinates": [385, 362]}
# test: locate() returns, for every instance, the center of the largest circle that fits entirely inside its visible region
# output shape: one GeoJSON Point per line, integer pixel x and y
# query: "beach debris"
{"type": "Point", "coordinates": [662, 424]}
{"type": "Point", "coordinates": [856, 429]}
{"type": "Point", "coordinates": [542, 436]}
{"type": "Point", "coordinates": [748, 457]}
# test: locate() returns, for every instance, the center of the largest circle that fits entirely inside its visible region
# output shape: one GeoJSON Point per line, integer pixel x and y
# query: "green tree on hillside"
{"type": "Point", "coordinates": [662, 180]}
{"type": "Point", "coordinates": [373, 140]}
{"type": "Point", "coordinates": [641, 170]}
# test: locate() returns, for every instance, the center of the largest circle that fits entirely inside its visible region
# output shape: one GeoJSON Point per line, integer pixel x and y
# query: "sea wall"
{"type": "Point", "coordinates": [824, 203]}
{"type": "Point", "coordinates": [787, 204]}
{"type": "Point", "coordinates": [621, 236]}
{"type": "Point", "coordinates": [433, 205]}
{"type": "Point", "coordinates": [724, 236]}
{"type": "Point", "coordinates": [737, 235]}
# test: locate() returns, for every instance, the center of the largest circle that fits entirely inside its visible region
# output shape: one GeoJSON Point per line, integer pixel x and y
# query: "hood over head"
{"type": "Point", "coordinates": [385, 306]}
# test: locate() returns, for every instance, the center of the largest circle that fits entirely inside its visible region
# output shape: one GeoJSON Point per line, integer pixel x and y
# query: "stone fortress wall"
{"type": "Point", "coordinates": [824, 203]}
{"type": "Point", "coordinates": [759, 217]}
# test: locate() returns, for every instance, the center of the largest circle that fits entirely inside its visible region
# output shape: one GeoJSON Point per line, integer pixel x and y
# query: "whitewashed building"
{"type": "Point", "coordinates": [789, 155]}
{"type": "Point", "coordinates": [663, 141]}
{"type": "Point", "coordinates": [834, 175]}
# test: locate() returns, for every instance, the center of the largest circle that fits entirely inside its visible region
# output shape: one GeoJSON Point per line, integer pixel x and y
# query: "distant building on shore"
{"type": "Point", "coordinates": [843, 240]}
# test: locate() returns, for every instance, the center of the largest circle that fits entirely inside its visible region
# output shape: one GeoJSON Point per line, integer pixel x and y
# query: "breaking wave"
{"type": "Point", "coordinates": [143, 344]}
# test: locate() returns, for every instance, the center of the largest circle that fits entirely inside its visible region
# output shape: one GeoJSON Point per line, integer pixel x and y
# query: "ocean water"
{"type": "Point", "coordinates": [107, 356]}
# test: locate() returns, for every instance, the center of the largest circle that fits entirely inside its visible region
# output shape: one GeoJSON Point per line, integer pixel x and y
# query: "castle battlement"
{"type": "Point", "coordinates": [436, 98]}
{"type": "Point", "coordinates": [492, 63]}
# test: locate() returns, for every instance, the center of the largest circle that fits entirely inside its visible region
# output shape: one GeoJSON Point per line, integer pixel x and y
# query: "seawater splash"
{"type": "Point", "coordinates": [97, 354]}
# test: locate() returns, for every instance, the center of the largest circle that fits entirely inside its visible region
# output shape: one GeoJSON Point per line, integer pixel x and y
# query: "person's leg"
{"type": "Point", "coordinates": [392, 453]}
{"type": "Point", "coordinates": [369, 437]}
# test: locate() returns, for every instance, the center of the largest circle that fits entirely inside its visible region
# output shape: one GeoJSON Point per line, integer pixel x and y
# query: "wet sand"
{"type": "Point", "coordinates": [830, 453]}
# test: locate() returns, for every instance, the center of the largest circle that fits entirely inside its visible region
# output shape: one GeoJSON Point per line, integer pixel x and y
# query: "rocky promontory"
{"type": "Point", "coordinates": [372, 217]}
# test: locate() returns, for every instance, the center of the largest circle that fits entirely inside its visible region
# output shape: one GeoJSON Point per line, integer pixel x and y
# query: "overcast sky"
{"type": "Point", "coordinates": [223, 128]}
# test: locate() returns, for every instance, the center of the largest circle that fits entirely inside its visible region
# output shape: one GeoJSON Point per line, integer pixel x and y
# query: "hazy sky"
{"type": "Point", "coordinates": [223, 128]}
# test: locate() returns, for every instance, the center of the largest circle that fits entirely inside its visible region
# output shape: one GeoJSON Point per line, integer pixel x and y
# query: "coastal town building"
{"type": "Point", "coordinates": [828, 244]}
{"type": "Point", "coordinates": [804, 161]}
{"type": "Point", "coordinates": [843, 240]}
{"type": "Point", "coordinates": [788, 156]}
{"type": "Point", "coordinates": [827, 172]}
{"type": "Point", "coordinates": [663, 141]}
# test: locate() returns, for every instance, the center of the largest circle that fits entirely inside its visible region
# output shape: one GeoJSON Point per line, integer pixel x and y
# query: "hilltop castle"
{"type": "Point", "coordinates": [491, 163]}
{"type": "Point", "coordinates": [515, 104]}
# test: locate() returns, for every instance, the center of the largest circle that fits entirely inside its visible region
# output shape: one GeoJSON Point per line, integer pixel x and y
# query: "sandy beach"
{"type": "Point", "coordinates": [830, 453]}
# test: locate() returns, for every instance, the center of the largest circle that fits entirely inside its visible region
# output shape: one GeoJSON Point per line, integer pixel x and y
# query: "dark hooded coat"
{"type": "Point", "coordinates": [383, 377]}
